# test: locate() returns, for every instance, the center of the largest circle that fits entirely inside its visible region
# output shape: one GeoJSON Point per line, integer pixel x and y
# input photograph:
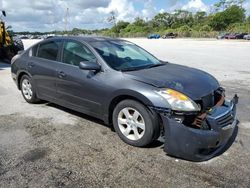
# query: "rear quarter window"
{"type": "Point", "coordinates": [33, 51]}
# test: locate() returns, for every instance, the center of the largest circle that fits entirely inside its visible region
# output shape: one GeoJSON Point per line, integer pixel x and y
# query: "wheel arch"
{"type": "Point", "coordinates": [118, 98]}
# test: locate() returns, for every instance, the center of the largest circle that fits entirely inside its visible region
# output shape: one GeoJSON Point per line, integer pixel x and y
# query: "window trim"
{"type": "Point", "coordinates": [80, 43]}
{"type": "Point", "coordinates": [31, 50]}
{"type": "Point", "coordinates": [58, 53]}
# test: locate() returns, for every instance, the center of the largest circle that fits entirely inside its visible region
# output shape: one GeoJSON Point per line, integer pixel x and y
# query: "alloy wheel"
{"type": "Point", "coordinates": [131, 123]}
{"type": "Point", "coordinates": [27, 89]}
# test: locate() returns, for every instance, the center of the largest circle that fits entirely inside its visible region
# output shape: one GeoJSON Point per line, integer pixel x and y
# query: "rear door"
{"type": "Point", "coordinates": [43, 66]}
{"type": "Point", "coordinates": [79, 89]}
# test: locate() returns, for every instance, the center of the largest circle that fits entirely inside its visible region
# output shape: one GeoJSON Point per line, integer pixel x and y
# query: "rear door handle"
{"type": "Point", "coordinates": [61, 74]}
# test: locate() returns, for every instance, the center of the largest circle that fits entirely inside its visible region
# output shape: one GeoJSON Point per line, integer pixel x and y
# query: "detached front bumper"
{"type": "Point", "coordinates": [197, 144]}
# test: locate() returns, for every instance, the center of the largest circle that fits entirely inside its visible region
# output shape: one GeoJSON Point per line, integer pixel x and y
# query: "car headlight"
{"type": "Point", "coordinates": [178, 101]}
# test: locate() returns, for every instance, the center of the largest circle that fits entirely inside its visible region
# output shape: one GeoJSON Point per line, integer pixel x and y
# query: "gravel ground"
{"type": "Point", "coordinates": [46, 145]}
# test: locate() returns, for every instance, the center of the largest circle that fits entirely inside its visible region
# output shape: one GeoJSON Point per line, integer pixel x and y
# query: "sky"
{"type": "Point", "coordinates": [49, 15]}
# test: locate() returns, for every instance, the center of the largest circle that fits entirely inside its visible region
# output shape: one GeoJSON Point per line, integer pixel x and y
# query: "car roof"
{"type": "Point", "coordinates": [86, 38]}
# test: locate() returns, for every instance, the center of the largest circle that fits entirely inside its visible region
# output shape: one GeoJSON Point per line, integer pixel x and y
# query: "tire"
{"type": "Point", "coordinates": [135, 124]}
{"type": "Point", "coordinates": [28, 90]}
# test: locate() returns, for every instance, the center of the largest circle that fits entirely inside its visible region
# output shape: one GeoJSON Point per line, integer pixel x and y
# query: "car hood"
{"type": "Point", "coordinates": [192, 82]}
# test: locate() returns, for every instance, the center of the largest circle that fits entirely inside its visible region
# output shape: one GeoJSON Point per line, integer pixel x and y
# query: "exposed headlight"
{"type": "Point", "coordinates": [178, 101]}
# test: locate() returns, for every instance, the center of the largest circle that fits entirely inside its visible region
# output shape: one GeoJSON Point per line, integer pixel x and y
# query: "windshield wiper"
{"type": "Point", "coordinates": [155, 65]}
{"type": "Point", "coordinates": [142, 67]}
{"type": "Point", "coordinates": [131, 69]}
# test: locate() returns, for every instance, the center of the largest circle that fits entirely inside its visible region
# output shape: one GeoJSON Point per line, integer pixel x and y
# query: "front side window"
{"type": "Point", "coordinates": [49, 50]}
{"type": "Point", "coordinates": [74, 53]}
{"type": "Point", "coordinates": [123, 55]}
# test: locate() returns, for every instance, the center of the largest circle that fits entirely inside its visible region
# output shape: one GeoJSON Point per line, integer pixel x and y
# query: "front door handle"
{"type": "Point", "coordinates": [61, 74]}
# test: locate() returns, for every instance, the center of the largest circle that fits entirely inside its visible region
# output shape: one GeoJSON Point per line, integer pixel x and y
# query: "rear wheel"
{"type": "Point", "coordinates": [27, 89]}
{"type": "Point", "coordinates": [135, 124]}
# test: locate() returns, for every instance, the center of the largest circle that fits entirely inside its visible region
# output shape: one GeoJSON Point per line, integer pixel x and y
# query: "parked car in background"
{"type": "Point", "coordinates": [169, 35]}
{"type": "Point", "coordinates": [226, 35]}
{"type": "Point", "coordinates": [247, 37]}
{"type": "Point", "coordinates": [222, 35]}
{"type": "Point", "coordinates": [127, 87]}
{"type": "Point", "coordinates": [231, 36]}
{"type": "Point", "coordinates": [240, 35]}
{"type": "Point", "coordinates": [24, 37]}
{"type": "Point", "coordinates": [154, 36]}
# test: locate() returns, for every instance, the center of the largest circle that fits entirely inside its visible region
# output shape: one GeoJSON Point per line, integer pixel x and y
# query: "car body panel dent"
{"type": "Point", "coordinates": [192, 82]}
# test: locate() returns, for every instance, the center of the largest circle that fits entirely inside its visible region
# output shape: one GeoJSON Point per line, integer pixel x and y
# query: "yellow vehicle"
{"type": "Point", "coordinates": [8, 46]}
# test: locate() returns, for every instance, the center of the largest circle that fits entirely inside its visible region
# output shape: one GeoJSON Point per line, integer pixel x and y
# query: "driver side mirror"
{"type": "Point", "coordinates": [89, 65]}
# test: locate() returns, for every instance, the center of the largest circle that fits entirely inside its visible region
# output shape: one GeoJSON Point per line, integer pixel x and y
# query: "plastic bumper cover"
{"type": "Point", "coordinates": [197, 144]}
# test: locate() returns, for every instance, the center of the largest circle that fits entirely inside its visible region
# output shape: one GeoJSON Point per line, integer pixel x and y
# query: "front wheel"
{"type": "Point", "coordinates": [135, 124]}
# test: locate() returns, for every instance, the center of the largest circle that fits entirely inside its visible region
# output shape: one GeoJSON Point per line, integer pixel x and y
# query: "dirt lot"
{"type": "Point", "coordinates": [45, 145]}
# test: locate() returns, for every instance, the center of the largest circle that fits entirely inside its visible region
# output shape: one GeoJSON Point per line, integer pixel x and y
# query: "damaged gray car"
{"type": "Point", "coordinates": [127, 87]}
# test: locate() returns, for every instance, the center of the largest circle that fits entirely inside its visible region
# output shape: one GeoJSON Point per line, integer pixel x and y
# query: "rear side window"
{"type": "Point", "coordinates": [74, 53]}
{"type": "Point", "coordinates": [49, 50]}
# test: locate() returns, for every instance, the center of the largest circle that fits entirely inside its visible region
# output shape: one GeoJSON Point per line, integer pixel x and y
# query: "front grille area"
{"type": "Point", "coordinates": [226, 119]}
{"type": "Point", "coordinates": [211, 99]}
{"type": "Point", "coordinates": [215, 112]}
{"type": "Point", "coordinates": [208, 101]}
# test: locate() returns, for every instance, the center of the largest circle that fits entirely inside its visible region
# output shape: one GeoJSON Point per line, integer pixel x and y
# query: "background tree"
{"type": "Point", "coordinates": [221, 20]}
{"type": "Point", "coordinates": [248, 19]}
{"type": "Point", "coordinates": [163, 19]}
{"type": "Point", "coordinates": [119, 26]}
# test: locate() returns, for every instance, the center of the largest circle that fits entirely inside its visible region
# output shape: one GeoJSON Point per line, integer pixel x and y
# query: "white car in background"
{"type": "Point", "coordinates": [247, 37]}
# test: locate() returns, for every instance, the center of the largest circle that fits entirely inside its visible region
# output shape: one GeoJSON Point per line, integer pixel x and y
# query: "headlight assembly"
{"type": "Point", "coordinates": [178, 101]}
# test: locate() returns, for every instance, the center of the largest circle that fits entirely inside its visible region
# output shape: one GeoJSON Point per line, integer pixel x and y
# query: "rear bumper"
{"type": "Point", "coordinates": [200, 145]}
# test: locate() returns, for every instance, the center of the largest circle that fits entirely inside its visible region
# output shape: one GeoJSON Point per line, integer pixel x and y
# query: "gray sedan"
{"type": "Point", "coordinates": [130, 89]}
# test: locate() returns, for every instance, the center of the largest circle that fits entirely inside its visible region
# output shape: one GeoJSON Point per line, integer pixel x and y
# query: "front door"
{"type": "Point", "coordinates": [79, 89]}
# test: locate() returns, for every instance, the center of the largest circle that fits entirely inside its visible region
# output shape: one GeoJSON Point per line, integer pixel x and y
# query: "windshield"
{"type": "Point", "coordinates": [125, 56]}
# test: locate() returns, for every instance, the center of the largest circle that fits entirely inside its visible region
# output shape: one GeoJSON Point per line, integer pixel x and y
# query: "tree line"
{"type": "Point", "coordinates": [225, 16]}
